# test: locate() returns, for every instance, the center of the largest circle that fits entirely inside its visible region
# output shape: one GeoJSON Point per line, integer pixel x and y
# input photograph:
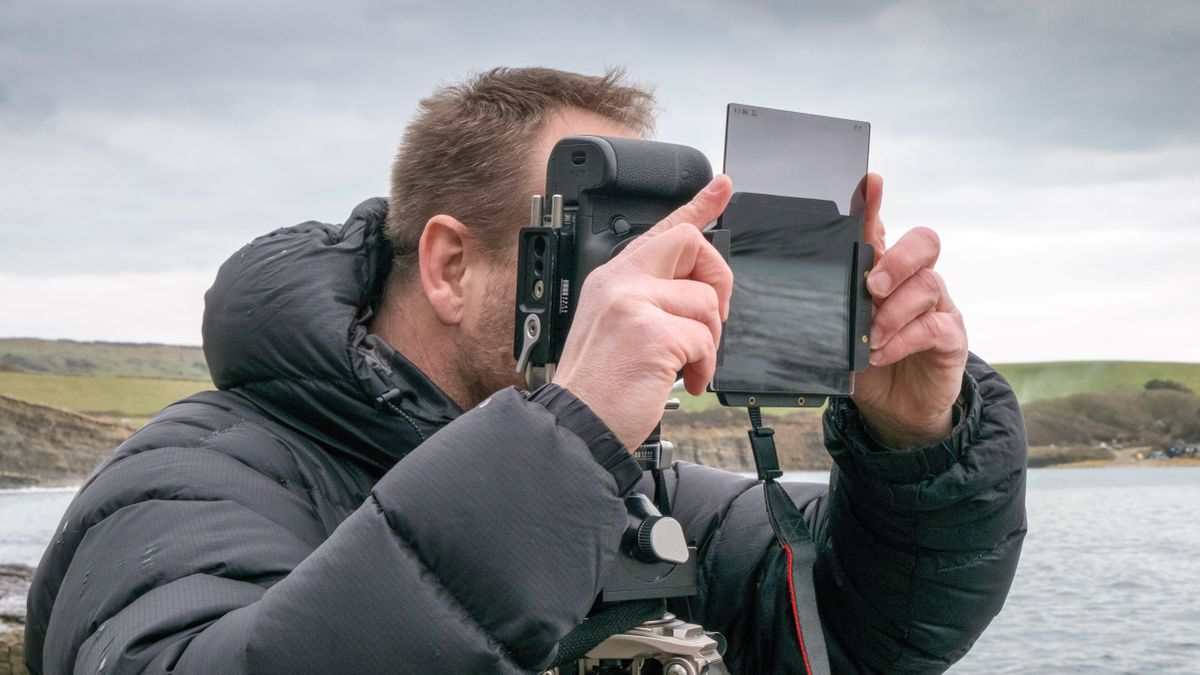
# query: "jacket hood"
{"type": "Point", "coordinates": [285, 325]}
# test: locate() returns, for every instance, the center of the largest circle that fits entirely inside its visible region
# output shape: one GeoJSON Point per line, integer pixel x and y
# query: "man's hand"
{"type": "Point", "coordinates": [918, 340]}
{"type": "Point", "coordinates": [650, 312]}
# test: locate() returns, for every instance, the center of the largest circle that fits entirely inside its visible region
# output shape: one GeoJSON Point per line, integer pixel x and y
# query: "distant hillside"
{"type": "Point", "coordinates": [65, 404]}
{"type": "Point", "coordinates": [1037, 381]}
{"type": "Point", "coordinates": [68, 357]}
{"type": "Point", "coordinates": [1154, 419]}
{"type": "Point", "coordinates": [1031, 381]}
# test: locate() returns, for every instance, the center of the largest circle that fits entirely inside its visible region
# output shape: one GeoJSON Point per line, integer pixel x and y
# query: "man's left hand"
{"type": "Point", "coordinates": [918, 340]}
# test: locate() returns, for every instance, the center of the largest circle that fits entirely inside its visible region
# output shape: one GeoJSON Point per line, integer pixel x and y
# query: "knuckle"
{"type": "Point", "coordinates": [683, 347]}
{"type": "Point", "coordinates": [601, 277]}
{"type": "Point", "coordinates": [940, 326]}
{"type": "Point", "coordinates": [899, 344]}
{"type": "Point", "coordinates": [711, 302]}
{"type": "Point", "coordinates": [642, 323]}
{"type": "Point", "coordinates": [701, 337]}
{"type": "Point", "coordinates": [687, 234]}
{"type": "Point", "coordinates": [886, 323]}
{"type": "Point", "coordinates": [953, 325]}
{"type": "Point", "coordinates": [611, 300]}
{"type": "Point", "coordinates": [929, 323]}
{"type": "Point", "coordinates": [885, 320]}
{"type": "Point", "coordinates": [931, 282]}
{"type": "Point", "coordinates": [603, 283]}
{"type": "Point", "coordinates": [669, 233]}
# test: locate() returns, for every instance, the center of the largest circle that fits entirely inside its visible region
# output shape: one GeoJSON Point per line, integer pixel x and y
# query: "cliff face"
{"type": "Point", "coordinates": [41, 442]}
{"type": "Point", "coordinates": [14, 585]}
{"type": "Point", "coordinates": [717, 437]}
{"type": "Point", "coordinates": [12, 650]}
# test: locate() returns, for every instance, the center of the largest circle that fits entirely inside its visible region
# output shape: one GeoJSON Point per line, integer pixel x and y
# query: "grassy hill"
{"type": "Point", "coordinates": [68, 357]}
{"type": "Point", "coordinates": [1038, 381]}
{"type": "Point", "coordinates": [113, 388]}
{"type": "Point", "coordinates": [135, 380]}
{"type": "Point", "coordinates": [99, 395]}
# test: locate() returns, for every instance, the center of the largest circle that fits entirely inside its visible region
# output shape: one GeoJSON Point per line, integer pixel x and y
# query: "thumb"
{"type": "Point", "coordinates": [873, 232]}
{"type": "Point", "coordinates": [702, 210]}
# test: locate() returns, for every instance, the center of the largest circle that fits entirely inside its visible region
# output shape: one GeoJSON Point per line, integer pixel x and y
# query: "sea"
{"type": "Point", "coordinates": [1109, 580]}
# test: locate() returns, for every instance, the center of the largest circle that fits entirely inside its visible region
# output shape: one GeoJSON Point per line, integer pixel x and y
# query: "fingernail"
{"type": "Point", "coordinates": [879, 283]}
{"type": "Point", "coordinates": [875, 338]}
{"type": "Point", "coordinates": [874, 359]}
{"type": "Point", "coordinates": [711, 188]}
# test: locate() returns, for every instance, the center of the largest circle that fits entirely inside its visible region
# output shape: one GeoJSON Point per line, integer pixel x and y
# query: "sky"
{"type": "Point", "coordinates": [1054, 146]}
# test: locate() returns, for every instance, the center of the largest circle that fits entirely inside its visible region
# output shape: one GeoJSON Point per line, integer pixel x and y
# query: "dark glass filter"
{"type": "Point", "coordinates": [792, 258]}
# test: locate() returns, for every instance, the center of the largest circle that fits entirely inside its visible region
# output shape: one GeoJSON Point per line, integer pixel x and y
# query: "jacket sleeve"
{"type": "Point", "coordinates": [476, 553]}
{"type": "Point", "coordinates": [916, 549]}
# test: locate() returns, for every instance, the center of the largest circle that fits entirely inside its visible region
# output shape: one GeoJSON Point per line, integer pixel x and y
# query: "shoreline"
{"type": "Point", "coordinates": [1117, 464]}
{"type": "Point", "coordinates": [14, 587]}
{"type": "Point", "coordinates": [60, 483]}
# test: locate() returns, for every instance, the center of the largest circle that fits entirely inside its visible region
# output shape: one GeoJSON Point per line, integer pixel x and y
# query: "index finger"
{"type": "Point", "coordinates": [684, 253]}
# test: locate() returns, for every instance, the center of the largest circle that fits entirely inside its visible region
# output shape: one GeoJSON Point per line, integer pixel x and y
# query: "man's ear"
{"type": "Point", "coordinates": [442, 262]}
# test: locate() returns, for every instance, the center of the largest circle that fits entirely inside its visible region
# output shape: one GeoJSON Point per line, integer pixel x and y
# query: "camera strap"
{"type": "Point", "coordinates": [793, 535]}
{"type": "Point", "coordinates": [597, 628]}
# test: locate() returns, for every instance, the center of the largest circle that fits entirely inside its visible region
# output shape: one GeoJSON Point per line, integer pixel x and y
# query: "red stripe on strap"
{"type": "Point", "coordinates": [795, 610]}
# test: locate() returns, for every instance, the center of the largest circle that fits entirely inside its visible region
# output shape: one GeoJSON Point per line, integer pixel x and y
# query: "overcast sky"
{"type": "Point", "coordinates": [1055, 146]}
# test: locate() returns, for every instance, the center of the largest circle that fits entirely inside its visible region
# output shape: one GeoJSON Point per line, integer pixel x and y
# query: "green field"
{"type": "Point", "coordinates": [107, 395]}
{"type": "Point", "coordinates": [135, 380]}
{"type": "Point", "coordinates": [1037, 381]}
{"type": "Point", "coordinates": [68, 357]}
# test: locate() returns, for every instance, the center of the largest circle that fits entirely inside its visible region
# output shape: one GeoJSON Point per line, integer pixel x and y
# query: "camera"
{"type": "Point", "coordinates": [601, 193]}
{"type": "Point", "coordinates": [798, 329]}
{"type": "Point", "coordinates": [800, 314]}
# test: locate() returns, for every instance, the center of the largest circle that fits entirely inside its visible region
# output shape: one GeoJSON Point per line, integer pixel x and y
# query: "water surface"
{"type": "Point", "coordinates": [28, 518]}
{"type": "Point", "coordinates": [1109, 580]}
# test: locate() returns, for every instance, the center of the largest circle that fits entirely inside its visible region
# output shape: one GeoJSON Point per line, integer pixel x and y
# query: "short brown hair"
{"type": "Point", "coordinates": [466, 152]}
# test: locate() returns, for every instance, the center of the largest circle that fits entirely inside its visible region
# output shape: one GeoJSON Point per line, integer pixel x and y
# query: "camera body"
{"type": "Point", "coordinates": [601, 193]}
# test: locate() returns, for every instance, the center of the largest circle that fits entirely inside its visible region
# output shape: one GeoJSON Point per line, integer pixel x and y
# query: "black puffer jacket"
{"type": "Point", "coordinates": [330, 510]}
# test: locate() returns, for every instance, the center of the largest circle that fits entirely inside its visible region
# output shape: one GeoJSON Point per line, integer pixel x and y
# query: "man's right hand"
{"type": "Point", "coordinates": [652, 311]}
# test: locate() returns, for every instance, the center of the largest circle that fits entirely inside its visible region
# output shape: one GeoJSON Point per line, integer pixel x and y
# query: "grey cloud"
{"type": "Point", "coordinates": [152, 136]}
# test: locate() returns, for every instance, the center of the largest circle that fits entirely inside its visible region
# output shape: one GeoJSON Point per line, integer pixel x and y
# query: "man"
{"type": "Point", "coordinates": [368, 493]}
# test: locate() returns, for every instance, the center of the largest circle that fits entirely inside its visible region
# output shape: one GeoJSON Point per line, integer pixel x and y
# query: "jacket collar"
{"type": "Point", "coordinates": [285, 325]}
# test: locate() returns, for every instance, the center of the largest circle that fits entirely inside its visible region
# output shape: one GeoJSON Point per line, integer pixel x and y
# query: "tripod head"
{"type": "Point", "coordinates": [654, 560]}
{"type": "Point", "coordinates": [629, 629]}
